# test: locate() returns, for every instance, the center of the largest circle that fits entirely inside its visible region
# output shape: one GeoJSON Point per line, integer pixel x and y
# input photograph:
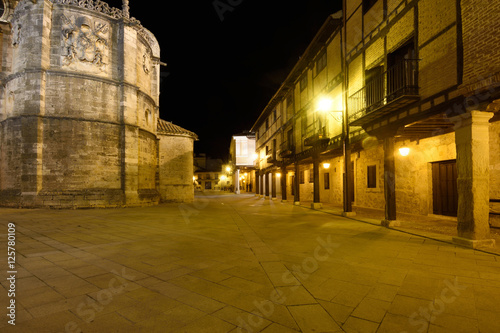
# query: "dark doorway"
{"type": "Point", "coordinates": [444, 188]}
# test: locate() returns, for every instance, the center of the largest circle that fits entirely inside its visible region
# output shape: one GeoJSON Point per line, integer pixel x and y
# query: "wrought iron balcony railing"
{"type": "Point", "coordinates": [384, 93]}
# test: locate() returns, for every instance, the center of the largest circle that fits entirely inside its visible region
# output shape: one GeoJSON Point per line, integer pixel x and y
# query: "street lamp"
{"type": "Point", "coordinates": [404, 151]}
{"type": "Point", "coordinates": [338, 112]}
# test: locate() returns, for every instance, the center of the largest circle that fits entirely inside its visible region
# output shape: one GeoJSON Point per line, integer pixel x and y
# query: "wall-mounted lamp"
{"type": "Point", "coordinates": [326, 165]}
{"type": "Point", "coordinates": [278, 174]}
{"type": "Point", "coordinates": [404, 151]}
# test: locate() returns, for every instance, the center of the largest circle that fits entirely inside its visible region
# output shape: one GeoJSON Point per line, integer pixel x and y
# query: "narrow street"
{"type": "Point", "coordinates": [229, 263]}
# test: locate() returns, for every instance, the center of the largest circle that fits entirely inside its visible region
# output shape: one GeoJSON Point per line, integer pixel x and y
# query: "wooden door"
{"type": "Point", "coordinates": [444, 188]}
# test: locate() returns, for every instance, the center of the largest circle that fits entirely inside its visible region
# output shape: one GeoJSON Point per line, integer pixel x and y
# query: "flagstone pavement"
{"type": "Point", "coordinates": [237, 263]}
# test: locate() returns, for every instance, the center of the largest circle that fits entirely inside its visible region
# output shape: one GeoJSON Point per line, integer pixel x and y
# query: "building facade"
{"type": "Point", "coordinates": [210, 174]}
{"type": "Point", "coordinates": [79, 111]}
{"type": "Point", "coordinates": [242, 156]}
{"type": "Point", "coordinates": [418, 77]}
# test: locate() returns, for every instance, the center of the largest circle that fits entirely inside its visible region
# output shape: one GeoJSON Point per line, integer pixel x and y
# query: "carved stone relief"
{"type": "Point", "coordinates": [16, 34]}
{"type": "Point", "coordinates": [146, 63]}
{"type": "Point", "coordinates": [85, 41]}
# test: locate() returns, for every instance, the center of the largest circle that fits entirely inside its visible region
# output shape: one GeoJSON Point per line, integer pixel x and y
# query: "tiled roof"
{"type": "Point", "coordinates": [166, 127]}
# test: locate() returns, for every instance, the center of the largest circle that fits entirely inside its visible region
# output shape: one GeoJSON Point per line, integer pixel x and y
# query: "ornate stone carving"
{"type": "Point", "coordinates": [84, 41]}
{"type": "Point", "coordinates": [146, 62]}
{"type": "Point", "coordinates": [98, 6]}
{"type": "Point", "coordinates": [16, 34]}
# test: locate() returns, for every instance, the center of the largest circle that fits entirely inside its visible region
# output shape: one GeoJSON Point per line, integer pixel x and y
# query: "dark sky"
{"type": "Point", "coordinates": [220, 74]}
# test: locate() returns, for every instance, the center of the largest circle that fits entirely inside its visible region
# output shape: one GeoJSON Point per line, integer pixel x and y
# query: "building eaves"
{"type": "Point", "coordinates": [167, 128]}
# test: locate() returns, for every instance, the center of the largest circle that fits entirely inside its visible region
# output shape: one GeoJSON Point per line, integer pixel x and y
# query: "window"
{"type": "Point", "coordinates": [267, 123]}
{"type": "Point", "coordinates": [311, 176]}
{"type": "Point", "coordinates": [367, 4]}
{"type": "Point", "coordinates": [289, 100]}
{"type": "Point", "coordinates": [371, 176]}
{"type": "Point", "coordinates": [321, 62]}
{"type": "Point", "coordinates": [301, 177]}
{"type": "Point", "coordinates": [402, 71]}
{"type": "Point", "coordinates": [327, 180]}
{"type": "Point", "coordinates": [274, 115]}
{"type": "Point", "coordinates": [241, 147]}
{"type": "Point", "coordinates": [303, 82]}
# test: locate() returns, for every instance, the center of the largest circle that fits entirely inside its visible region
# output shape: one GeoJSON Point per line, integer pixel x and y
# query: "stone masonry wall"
{"type": "Point", "coordinates": [79, 110]}
{"type": "Point", "coordinates": [176, 168]}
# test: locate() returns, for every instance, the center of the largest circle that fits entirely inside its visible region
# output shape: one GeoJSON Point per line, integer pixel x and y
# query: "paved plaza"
{"type": "Point", "coordinates": [230, 263]}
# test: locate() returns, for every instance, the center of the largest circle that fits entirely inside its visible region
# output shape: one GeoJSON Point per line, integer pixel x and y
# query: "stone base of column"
{"type": "Point", "coordinates": [296, 203]}
{"type": "Point", "coordinates": [257, 194]}
{"type": "Point", "coordinates": [390, 223]}
{"type": "Point", "coordinates": [474, 243]}
{"type": "Point", "coordinates": [261, 196]}
{"type": "Point", "coordinates": [316, 205]}
{"type": "Point", "coordinates": [348, 214]}
{"type": "Point", "coordinates": [274, 198]}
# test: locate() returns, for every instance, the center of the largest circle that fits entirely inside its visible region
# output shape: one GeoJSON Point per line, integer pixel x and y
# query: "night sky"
{"type": "Point", "coordinates": [220, 74]}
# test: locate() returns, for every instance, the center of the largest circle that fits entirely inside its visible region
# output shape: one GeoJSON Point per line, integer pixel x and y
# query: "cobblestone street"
{"type": "Point", "coordinates": [229, 263]}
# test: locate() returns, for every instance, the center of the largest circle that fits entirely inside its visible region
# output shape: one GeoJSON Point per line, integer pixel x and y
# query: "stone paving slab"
{"type": "Point", "coordinates": [239, 264]}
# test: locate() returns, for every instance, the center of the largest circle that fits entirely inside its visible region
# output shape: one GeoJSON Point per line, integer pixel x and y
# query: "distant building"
{"type": "Point", "coordinates": [383, 77]}
{"type": "Point", "coordinates": [242, 156]}
{"type": "Point", "coordinates": [79, 110]}
{"type": "Point", "coordinates": [208, 174]}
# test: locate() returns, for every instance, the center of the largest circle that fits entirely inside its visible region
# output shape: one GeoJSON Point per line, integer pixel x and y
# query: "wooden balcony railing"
{"type": "Point", "coordinates": [287, 149]}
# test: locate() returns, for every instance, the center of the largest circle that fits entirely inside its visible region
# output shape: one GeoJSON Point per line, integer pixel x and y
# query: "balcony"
{"type": "Point", "coordinates": [391, 90]}
{"type": "Point", "coordinates": [315, 134]}
{"type": "Point", "coordinates": [271, 156]}
{"type": "Point", "coordinates": [287, 149]}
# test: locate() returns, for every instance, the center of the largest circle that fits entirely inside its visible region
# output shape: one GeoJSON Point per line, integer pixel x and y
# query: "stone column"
{"type": "Point", "coordinates": [316, 204]}
{"type": "Point", "coordinates": [389, 184]}
{"type": "Point", "coordinates": [296, 199]}
{"type": "Point", "coordinates": [237, 178]}
{"type": "Point", "coordinates": [262, 184]}
{"type": "Point", "coordinates": [266, 178]}
{"type": "Point", "coordinates": [273, 185]}
{"type": "Point", "coordinates": [283, 184]}
{"type": "Point", "coordinates": [473, 163]}
{"type": "Point", "coordinates": [257, 181]}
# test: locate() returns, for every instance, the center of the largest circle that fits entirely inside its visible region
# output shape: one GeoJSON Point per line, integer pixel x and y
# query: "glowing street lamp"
{"type": "Point", "coordinates": [404, 151]}
{"type": "Point", "coordinates": [326, 165]}
{"type": "Point", "coordinates": [325, 104]}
